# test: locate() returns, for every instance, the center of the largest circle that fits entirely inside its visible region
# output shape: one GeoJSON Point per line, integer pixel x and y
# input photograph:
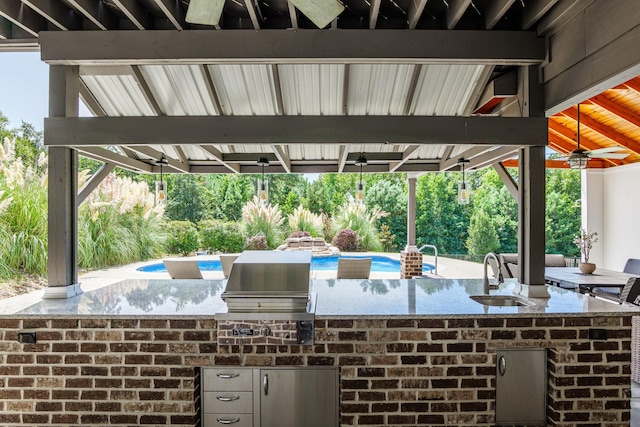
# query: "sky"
{"type": "Point", "coordinates": [24, 89]}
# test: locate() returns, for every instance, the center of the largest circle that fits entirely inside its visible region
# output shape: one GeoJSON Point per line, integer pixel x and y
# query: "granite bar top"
{"type": "Point", "coordinates": [421, 297]}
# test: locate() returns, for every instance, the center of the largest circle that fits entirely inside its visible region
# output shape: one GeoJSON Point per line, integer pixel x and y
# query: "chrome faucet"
{"type": "Point", "coordinates": [485, 279]}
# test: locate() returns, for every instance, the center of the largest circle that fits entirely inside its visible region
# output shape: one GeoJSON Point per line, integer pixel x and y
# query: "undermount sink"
{"type": "Point", "coordinates": [500, 300]}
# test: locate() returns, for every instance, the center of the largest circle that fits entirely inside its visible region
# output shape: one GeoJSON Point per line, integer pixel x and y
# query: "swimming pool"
{"type": "Point", "coordinates": [378, 264]}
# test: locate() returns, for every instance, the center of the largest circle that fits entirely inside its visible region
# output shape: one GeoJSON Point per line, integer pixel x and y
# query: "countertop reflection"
{"type": "Point", "coordinates": [164, 297]}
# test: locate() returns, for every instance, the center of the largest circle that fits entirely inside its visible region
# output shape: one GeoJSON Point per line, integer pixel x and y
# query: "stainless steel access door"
{"type": "Point", "coordinates": [298, 397]}
{"type": "Point", "coordinates": [521, 387]}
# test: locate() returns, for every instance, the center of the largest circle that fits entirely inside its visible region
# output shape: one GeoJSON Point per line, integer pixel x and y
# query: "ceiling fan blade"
{"type": "Point", "coordinates": [204, 12]}
{"type": "Point", "coordinates": [619, 156]}
{"type": "Point", "coordinates": [320, 12]}
{"type": "Point", "coordinates": [606, 150]}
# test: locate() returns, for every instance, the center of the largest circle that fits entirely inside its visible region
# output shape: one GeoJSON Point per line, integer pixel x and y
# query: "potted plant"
{"type": "Point", "coordinates": [585, 242]}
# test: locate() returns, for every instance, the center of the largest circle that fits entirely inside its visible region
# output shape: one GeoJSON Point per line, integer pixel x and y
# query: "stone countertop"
{"type": "Point", "coordinates": [421, 297]}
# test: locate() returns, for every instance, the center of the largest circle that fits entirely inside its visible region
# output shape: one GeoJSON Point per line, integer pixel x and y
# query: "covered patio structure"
{"type": "Point", "coordinates": [413, 86]}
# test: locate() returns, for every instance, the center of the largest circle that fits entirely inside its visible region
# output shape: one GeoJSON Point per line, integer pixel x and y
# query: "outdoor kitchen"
{"type": "Point", "coordinates": [272, 347]}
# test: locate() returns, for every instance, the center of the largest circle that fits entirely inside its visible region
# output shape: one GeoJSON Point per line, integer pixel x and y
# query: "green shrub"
{"type": "Point", "coordinates": [182, 237]}
{"type": "Point", "coordinates": [221, 236]}
{"type": "Point", "coordinates": [304, 220]}
{"type": "Point", "coordinates": [346, 240]}
{"type": "Point", "coordinates": [354, 215]}
{"type": "Point", "coordinates": [256, 243]}
{"type": "Point", "coordinates": [265, 219]}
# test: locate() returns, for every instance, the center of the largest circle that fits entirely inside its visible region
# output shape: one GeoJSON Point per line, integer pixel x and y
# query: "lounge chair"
{"type": "Point", "coordinates": [183, 269]}
{"type": "Point", "coordinates": [354, 268]}
{"type": "Point", "coordinates": [227, 262]}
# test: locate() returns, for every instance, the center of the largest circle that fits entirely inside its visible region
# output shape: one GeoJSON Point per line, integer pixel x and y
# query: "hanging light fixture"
{"type": "Point", "coordinates": [361, 161]}
{"type": "Point", "coordinates": [263, 184]}
{"type": "Point", "coordinates": [161, 185]}
{"type": "Point", "coordinates": [578, 158]}
{"type": "Point", "coordinates": [463, 191]}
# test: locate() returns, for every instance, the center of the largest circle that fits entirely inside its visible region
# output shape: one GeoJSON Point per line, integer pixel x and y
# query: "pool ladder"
{"type": "Point", "coordinates": [435, 249]}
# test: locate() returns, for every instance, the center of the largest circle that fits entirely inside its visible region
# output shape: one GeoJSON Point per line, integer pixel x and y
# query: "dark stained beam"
{"type": "Point", "coordinates": [21, 15]}
{"type": "Point", "coordinates": [56, 13]}
{"type": "Point", "coordinates": [559, 164]}
{"type": "Point", "coordinates": [292, 46]}
{"type": "Point", "coordinates": [320, 168]}
{"type": "Point", "coordinates": [195, 130]}
{"type": "Point", "coordinates": [562, 12]}
{"type": "Point", "coordinates": [96, 13]}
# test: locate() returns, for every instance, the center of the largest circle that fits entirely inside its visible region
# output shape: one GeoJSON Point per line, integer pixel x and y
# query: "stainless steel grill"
{"type": "Point", "coordinates": [270, 282]}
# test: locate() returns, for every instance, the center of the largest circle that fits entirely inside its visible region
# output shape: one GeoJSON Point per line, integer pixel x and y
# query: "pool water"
{"type": "Point", "coordinates": [378, 264]}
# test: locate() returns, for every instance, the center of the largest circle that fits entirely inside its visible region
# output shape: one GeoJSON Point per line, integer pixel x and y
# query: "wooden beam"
{"type": "Point", "coordinates": [182, 157]}
{"type": "Point", "coordinates": [283, 158]}
{"type": "Point", "coordinates": [320, 168]}
{"type": "Point", "coordinates": [408, 154]}
{"type": "Point", "coordinates": [633, 84]}
{"type": "Point", "coordinates": [560, 143]}
{"type": "Point", "coordinates": [173, 11]}
{"type": "Point", "coordinates": [456, 9]}
{"type": "Point", "coordinates": [22, 16]}
{"type": "Point", "coordinates": [96, 13]}
{"type": "Point", "coordinates": [506, 177]}
{"type": "Point", "coordinates": [534, 10]}
{"type": "Point", "coordinates": [108, 156]}
{"type": "Point", "coordinates": [252, 14]}
{"type": "Point", "coordinates": [491, 157]}
{"type": "Point", "coordinates": [56, 13]}
{"type": "Point", "coordinates": [155, 155]}
{"type": "Point", "coordinates": [445, 156]}
{"type": "Point", "coordinates": [146, 90]}
{"type": "Point", "coordinates": [133, 11]}
{"type": "Point", "coordinates": [560, 164]}
{"type": "Point", "coordinates": [342, 157]}
{"type": "Point", "coordinates": [603, 130]}
{"type": "Point", "coordinates": [93, 182]}
{"type": "Point", "coordinates": [467, 155]}
{"type": "Point", "coordinates": [196, 130]}
{"type": "Point", "coordinates": [416, 7]}
{"type": "Point", "coordinates": [374, 10]}
{"type": "Point", "coordinates": [562, 12]}
{"type": "Point", "coordinates": [90, 101]}
{"type": "Point", "coordinates": [293, 14]}
{"type": "Point", "coordinates": [616, 109]}
{"type": "Point", "coordinates": [217, 155]}
{"type": "Point", "coordinates": [292, 46]}
{"type": "Point", "coordinates": [496, 9]}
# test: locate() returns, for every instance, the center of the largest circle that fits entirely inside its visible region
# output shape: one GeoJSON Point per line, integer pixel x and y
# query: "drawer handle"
{"type": "Point", "coordinates": [228, 420]}
{"type": "Point", "coordinates": [227, 398]}
{"type": "Point", "coordinates": [227, 376]}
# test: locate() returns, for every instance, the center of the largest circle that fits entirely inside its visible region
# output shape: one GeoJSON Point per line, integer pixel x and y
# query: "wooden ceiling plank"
{"type": "Point", "coordinates": [556, 139]}
{"type": "Point", "coordinates": [534, 10]}
{"type": "Point", "coordinates": [616, 109]}
{"type": "Point", "coordinates": [56, 13]}
{"type": "Point", "coordinates": [21, 15]}
{"type": "Point", "coordinates": [456, 9]}
{"type": "Point", "coordinates": [603, 130]}
{"type": "Point", "coordinates": [96, 13]}
{"type": "Point", "coordinates": [633, 84]}
{"type": "Point", "coordinates": [172, 10]}
{"type": "Point", "coordinates": [134, 12]}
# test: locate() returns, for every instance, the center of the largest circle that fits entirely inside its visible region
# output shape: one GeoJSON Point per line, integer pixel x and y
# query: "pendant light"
{"type": "Point", "coordinates": [463, 191]}
{"type": "Point", "coordinates": [361, 161]}
{"type": "Point", "coordinates": [263, 184]}
{"type": "Point", "coordinates": [578, 158]}
{"type": "Point", "coordinates": [161, 185]}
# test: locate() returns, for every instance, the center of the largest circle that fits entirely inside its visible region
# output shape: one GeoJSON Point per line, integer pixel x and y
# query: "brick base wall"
{"type": "Point", "coordinates": [410, 264]}
{"type": "Point", "coordinates": [398, 371]}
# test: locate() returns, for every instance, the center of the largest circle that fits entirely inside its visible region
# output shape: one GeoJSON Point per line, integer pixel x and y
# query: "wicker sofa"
{"type": "Point", "coordinates": [509, 263]}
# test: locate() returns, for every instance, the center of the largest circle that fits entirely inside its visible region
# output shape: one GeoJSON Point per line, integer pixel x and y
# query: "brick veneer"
{"type": "Point", "coordinates": [410, 264]}
{"type": "Point", "coordinates": [396, 371]}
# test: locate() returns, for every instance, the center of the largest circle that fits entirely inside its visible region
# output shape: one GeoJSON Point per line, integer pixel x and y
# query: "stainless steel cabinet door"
{"type": "Point", "coordinates": [298, 397]}
{"type": "Point", "coordinates": [521, 387]}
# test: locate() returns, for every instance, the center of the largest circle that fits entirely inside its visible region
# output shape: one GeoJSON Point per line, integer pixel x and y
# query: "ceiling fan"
{"type": "Point", "coordinates": [579, 157]}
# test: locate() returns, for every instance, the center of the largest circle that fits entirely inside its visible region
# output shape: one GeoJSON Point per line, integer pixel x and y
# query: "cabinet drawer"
{"type": "Point", "coordinates": [226, 402]}
{"type": "Point", "coordinates": [235, 420]}
{"type": "Point", "coordinates": [227, 379]}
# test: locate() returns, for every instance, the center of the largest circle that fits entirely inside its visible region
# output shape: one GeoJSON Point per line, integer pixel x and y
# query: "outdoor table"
{"type": "Point", "coordinates": [571, 277]}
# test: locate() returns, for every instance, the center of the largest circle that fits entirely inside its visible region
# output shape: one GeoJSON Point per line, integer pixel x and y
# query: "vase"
{"type": "Point", "coordinates": [586, 267]}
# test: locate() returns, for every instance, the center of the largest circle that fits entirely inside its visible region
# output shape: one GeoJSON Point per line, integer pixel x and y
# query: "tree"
{"type": "Point", "coordinates": [188, 199]}
{"type": "Point", "coordinates": [390, 197]}
{"type": "Point", "coordinates": [563, 213]}
{"type": "Point", "coordinates": [482, 234]}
